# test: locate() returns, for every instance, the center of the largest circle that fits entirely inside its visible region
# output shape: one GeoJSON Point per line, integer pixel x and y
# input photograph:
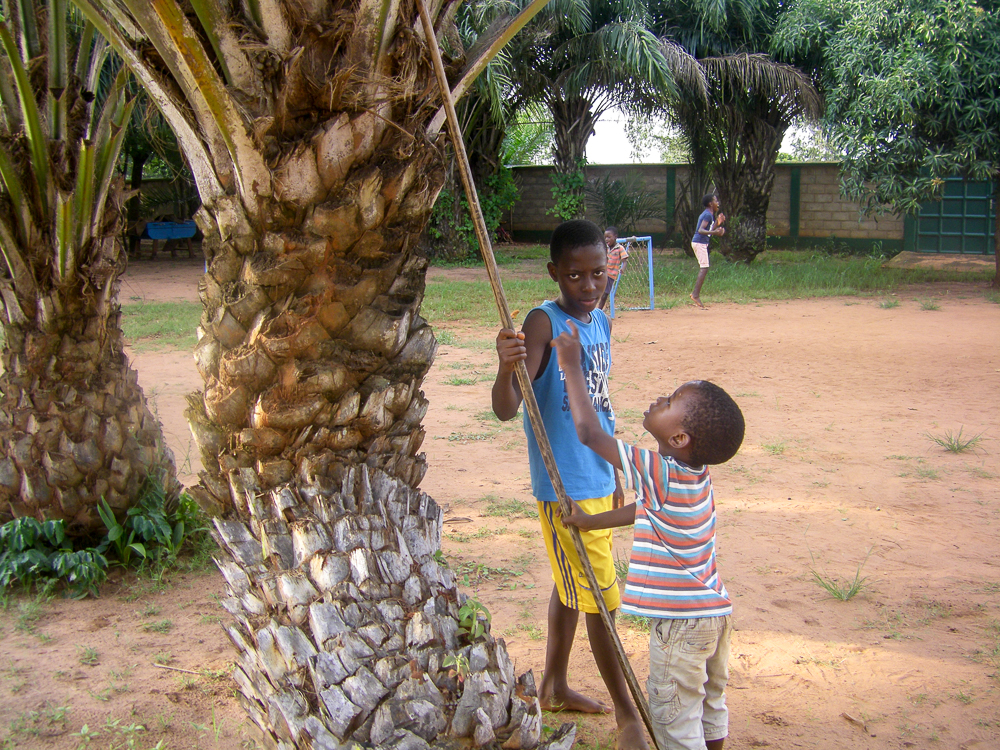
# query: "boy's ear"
{"type": "Point", "coordinates": [552, 271]}
{"type": "Point", "coordinates": [679, 440]}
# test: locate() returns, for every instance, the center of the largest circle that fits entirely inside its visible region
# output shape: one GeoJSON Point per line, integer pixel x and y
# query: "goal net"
{"type": "Point", "coordinates": [633, 289]}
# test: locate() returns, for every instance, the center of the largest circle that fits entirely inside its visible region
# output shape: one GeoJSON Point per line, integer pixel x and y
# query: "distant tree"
{"type": "Point", "coordinates": [735, 134]}
{"type": "Point", "coordinates": [911, 90]}
{"type": "Point", "coordinates": [582, 57]}
{"type": "Point", "coordinates": [648, 132]}
{"type": "Point", "coordinates": [807, 142]}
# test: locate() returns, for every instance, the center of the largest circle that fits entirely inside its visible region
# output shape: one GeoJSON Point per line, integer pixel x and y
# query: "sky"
{"type": "Point", "coordinates": [609, 145]}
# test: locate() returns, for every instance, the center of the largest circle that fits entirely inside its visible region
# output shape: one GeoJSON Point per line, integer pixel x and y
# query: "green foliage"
{"type": "Point", "coordinates": [568, 190]}
{"type": "Point", "coordinates": [470, 624]}
{"type": "Point", "coordinates": [911, 90]}
{"type": "Point", "coordinates": [623, 202]}
{"type": "Point", "coordinates": [452, 234]}
{"type": "Point", "coordinates": [33, 552]}
{"type": "Point", "coordinates": [151, 529]}
{"type": "Point", "coordinates": [529, 137]}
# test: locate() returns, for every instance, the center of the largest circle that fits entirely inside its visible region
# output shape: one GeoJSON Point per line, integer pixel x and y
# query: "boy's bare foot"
{"type": "Point", "coordinates": [697, 301]}
{"type": "Point", "coordinates": [572, 701]}
{"type": "Point", "coordinates": [631, 735]}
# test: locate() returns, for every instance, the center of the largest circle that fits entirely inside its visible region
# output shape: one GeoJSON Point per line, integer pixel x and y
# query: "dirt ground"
{"type": "Point", "coordinates": [838, 478]}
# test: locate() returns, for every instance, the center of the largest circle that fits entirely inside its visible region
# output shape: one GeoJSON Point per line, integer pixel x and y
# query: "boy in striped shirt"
{"type": "Point", "coordinates": [672, 575]}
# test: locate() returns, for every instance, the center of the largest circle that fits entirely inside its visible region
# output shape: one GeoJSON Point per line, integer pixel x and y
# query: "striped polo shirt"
{"type": "Point", "coordinates": [616, 256]}
{"type": "Point", "coordinates": [672, 571]}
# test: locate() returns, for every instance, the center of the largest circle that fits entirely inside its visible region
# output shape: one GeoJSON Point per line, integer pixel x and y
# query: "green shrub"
{"type": "Point", "coordinates": [33, 552]}
{"type": "Point", "coordinates": [156, 530]}
{"type": "Point", "coordinates": [451, 234]}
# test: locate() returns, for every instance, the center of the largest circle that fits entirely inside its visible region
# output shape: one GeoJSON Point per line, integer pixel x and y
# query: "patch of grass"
{"type": "Point", "coordinates": [508, 508]}
{"type": "Point", "coordinates": [487, 415]}
{"type": "Point", "coordinates": [621, 568]}
{"type": "Point", "coordinates": [955, 442]}
{"type": "Point", "coordinates": [162, 657]}
{"type": "Point", "coordinates": [161, 325]}
{"type": "Point", "coordinates": [446, 338]}
{"type": "Point", "coordinates": [927, 473]}
{"type": "Point", "coordinates": [888, 303]}
{"type": "Point", "coordinates": [470, 437]}
{"type": "Point", "coordinates": [49, 721]}
{"type": "Point", "coordinates": [775, 449]}
{"type": "Point", "coordinates": [929, 304]}
{"type": "Point", "coordinates": [87, 655]}
{"type": "Point", "coordinates": [842, 589]}
{"type": "Point", "coordinates": [482, 533]}
{"type": "Point", "coordinates": [460, 380]}
{"type": "Point", "coordinates": [160, 626]}
{"type": "Point", "coordinates": [635, 622]}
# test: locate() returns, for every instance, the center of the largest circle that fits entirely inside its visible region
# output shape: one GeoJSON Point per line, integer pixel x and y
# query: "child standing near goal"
{"type": "Point", "coordinates": [617, 255]}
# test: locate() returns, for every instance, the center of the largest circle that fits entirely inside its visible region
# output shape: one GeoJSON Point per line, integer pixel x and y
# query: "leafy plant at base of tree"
{"type": "Point", "coordinates": [469, 623]}
{"type": "Point", "coordinates": [151, 529]}
{"type": "Point", "coordinates": [31, 552]}
{"type": "Point", "coordinates": [623, 203]}
{"type": "Point", "coordinates": [568, 192]}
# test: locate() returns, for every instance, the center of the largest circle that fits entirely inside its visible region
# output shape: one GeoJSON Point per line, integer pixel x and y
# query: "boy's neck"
{"type": "Point", "coordinates": [582, 317]}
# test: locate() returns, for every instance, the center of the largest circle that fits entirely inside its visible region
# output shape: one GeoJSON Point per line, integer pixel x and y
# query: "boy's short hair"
{"type": "Point", "coordinates": [613, 229]}
{"type": "Point", "coordinates": [715, 424]}
{"type": "Point", "coordinates": [707, 199]}
{"type": "Point", "coordinates": [571, 234]}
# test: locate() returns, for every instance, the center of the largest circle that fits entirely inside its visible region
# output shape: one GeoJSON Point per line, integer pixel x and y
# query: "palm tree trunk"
{"type": "Point", "coordinates": [74, 423]}
{"type": "Point", "coordinates": [349, 626]}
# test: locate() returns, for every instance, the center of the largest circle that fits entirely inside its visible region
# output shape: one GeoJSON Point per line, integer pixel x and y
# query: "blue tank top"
{"type": "Point", "coordinates": [584, 474]}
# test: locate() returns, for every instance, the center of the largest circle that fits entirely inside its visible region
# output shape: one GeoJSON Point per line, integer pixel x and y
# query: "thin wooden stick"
{"type": "Point", "coordinates": [521, 372]}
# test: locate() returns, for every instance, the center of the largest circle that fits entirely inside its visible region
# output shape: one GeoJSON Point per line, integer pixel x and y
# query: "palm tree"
{"type": "Point", "coordinates": [74, 423]}
{"type": "Point", "coordinates": [582, 57]}
{"type": "Point", "coordinates": [313, 133]}
{"type": "Point", "coordinates": [735, 133]}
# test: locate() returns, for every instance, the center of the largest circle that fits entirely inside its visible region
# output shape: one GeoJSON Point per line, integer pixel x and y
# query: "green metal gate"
{"type": "Point", "coordinates": [961, 222]}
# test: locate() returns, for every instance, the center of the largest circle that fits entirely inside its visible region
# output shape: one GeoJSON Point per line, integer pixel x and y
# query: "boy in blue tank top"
{"type": "Point", "coordinates": [579, 266]}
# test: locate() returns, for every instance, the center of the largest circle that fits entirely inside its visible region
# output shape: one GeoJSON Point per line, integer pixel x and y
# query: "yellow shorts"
{"type": "Point", "coordinates": [567, 572]}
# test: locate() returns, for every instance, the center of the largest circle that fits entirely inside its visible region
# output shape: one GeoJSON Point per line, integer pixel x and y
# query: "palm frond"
{"type": "Point", "coordinates": [209, 185]}
{"type": "Point", "coordinates": [37, 140]}
{"type": "Point", "coordinates": [171, 33]}
{"type": "Point", "coordinates": [20, 272]}
{"type": "Point", "coordinates": [58, 69]}
{"type": "Point", "coordinates": [19, 202]}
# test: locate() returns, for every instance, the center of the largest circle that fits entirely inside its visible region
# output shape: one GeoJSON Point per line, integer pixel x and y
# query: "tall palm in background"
{"type": "Point", "coordinates": [74, 423]}
{"type": "Point", "coordinates": [312, 129]}
{"type": "Point", "coordinates": [734, 133]}
{"type": "Point", "coordinates": [582, 57]}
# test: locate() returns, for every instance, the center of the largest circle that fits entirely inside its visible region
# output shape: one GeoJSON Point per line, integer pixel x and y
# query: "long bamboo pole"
{"type": "Point", "coordinates": [521, 372]}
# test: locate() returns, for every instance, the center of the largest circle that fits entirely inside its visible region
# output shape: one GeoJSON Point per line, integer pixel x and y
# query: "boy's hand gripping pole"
{"type": "Point", "coordinates": [530, 403]}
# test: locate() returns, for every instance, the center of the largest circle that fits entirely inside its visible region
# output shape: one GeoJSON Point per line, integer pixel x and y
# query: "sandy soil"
{"type": "Point", "coordinates": [838, 476]}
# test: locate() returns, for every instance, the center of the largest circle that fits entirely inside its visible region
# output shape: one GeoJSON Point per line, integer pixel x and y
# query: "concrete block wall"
{"type": "Point", "coordinates": [822, 213]}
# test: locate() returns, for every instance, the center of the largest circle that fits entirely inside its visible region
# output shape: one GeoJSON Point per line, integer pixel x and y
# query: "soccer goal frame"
{"type": "Point", "coordinates": [632, 295]}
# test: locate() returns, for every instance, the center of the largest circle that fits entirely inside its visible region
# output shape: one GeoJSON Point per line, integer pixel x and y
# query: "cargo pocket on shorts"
{"type": "Point", "coordinates": [664, 703]}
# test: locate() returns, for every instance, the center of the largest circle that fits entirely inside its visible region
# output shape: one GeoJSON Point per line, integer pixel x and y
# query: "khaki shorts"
{"type": "Point", "coordinates": [567, 571]}
{"type": "Point", "coordinates": [688, 672]}
{"type": "Point", "coordinates": [701, 253]}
